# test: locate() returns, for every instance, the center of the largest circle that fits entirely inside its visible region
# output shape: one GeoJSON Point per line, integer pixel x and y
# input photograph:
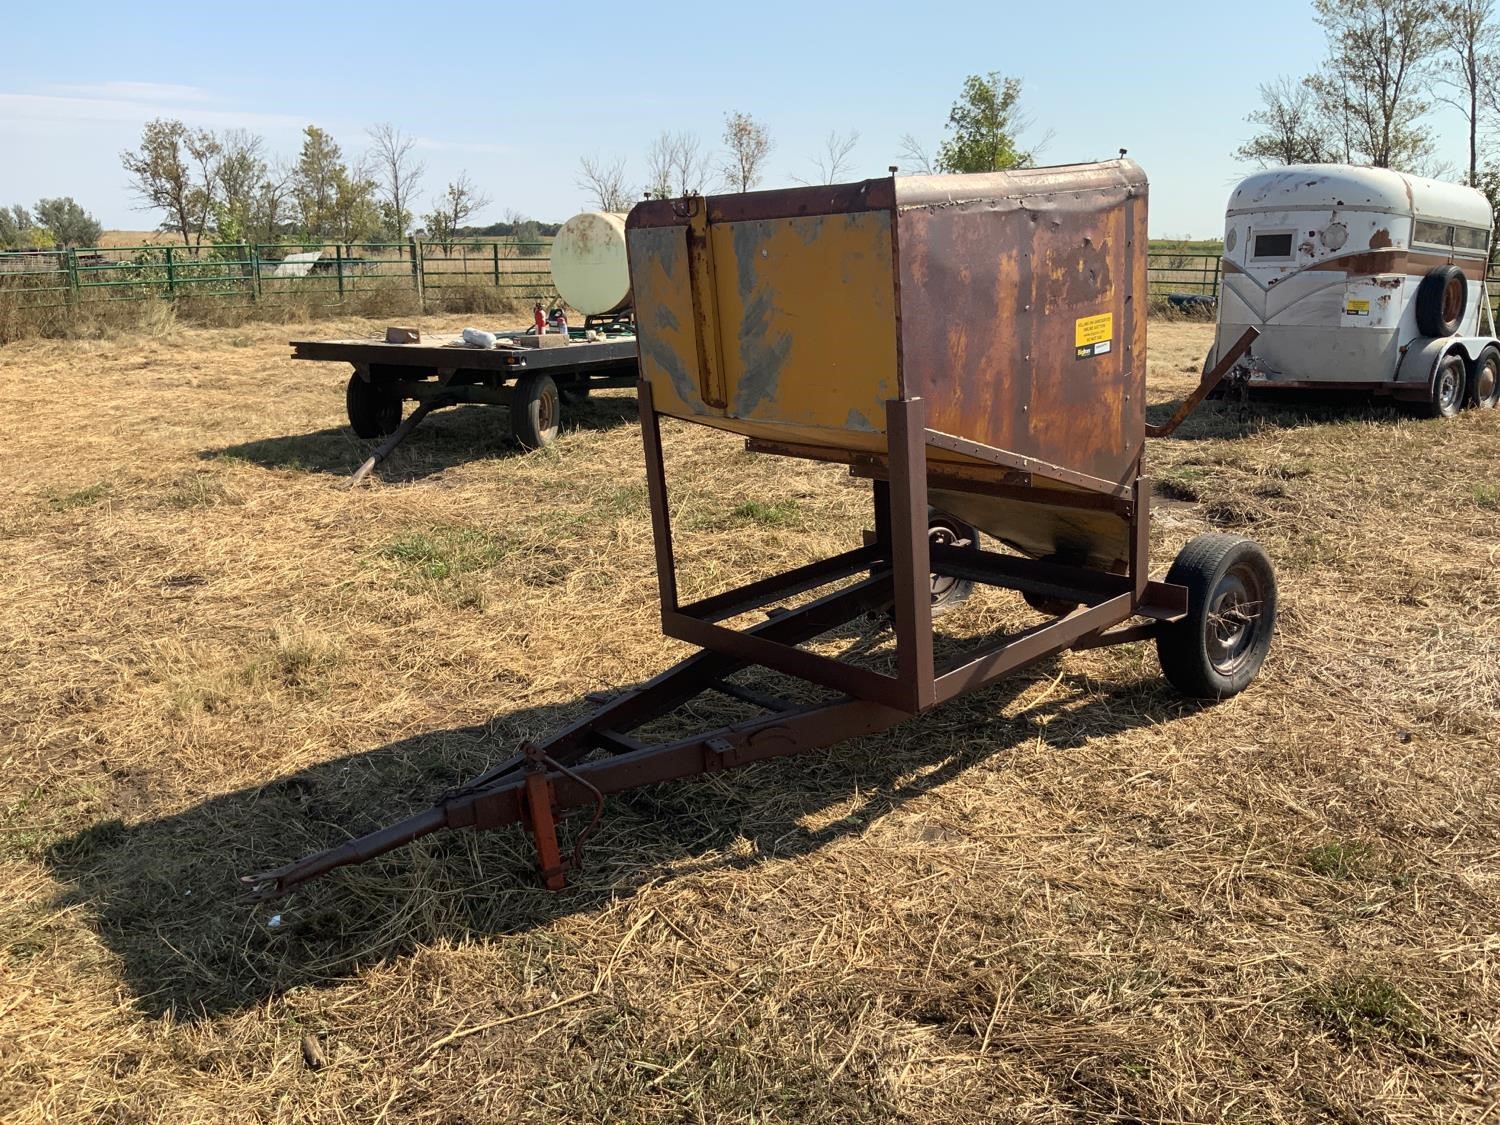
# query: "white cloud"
{"type": "Point", "coordinates": [34, 108]}
{"type": "Point", "coordinates": [433, 144]}
{"type": "Point", "coordinates": [132, 91]}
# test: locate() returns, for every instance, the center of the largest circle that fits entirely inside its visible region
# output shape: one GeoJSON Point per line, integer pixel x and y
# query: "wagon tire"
{"type": "Point", "coordinates": [535, 411]}
{"type": "Point", "coordinates": [1484, 380]}
{"type": "Point", "coordinates": [574, 390]}
{"type": "Point", "coordinates": [949, 593]}
{"type": "Point", "coordinates": [1442, 299]}
{"type": "Point", "coordinates": [1219, 646]}
{"type": "Point", "coordinates": [1446, 398]}
{"type": "Point", "coordinates": [374, 409]}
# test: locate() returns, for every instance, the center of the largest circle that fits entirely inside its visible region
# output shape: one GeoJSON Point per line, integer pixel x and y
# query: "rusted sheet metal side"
{"type": "Point", "coordinates": [1005, 279]}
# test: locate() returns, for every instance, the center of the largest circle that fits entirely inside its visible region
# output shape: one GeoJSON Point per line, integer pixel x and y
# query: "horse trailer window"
{"type": "Point", "coordinates": [1471, 238]}
{"type": "Point", "coordinates": [1272, 244]}
{"type": "Point", "coordinates": [1434, 234]}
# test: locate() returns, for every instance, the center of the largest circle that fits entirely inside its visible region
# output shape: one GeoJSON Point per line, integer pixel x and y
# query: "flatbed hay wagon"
{"type": "Point", "coordinates": [533, 375]}
{"type": "Point", "coordinates": [974, 348]}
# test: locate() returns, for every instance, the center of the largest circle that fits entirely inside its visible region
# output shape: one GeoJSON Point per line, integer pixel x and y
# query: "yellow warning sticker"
{"type": "Point", "coordinates": [1092, 335]}
{"type": "Point", "coordinates": [1353, 307]}
{"type": "Point", "coordinates": [1093, 329]}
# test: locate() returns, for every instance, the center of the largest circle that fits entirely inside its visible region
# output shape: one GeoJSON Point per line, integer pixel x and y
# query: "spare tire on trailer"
{"type": "Point", "coordinates": [1442, 299]}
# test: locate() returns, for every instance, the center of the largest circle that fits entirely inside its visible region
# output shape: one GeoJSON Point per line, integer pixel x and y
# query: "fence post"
{"type": "Point", "coordinates": [495, 257]}
{"type": "Point", "coordinates": [171, 275]}
{"type": "Point", "coordinates": [416, 271]}
{"type": "Point", "coordinates": [73, 286]}
{"type": "Point", "coordinates": [338, 265]}
{"type": "Point", "coordinates": [1218, 265]}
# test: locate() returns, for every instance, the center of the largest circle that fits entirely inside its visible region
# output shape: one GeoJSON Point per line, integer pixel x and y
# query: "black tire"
{"type": "Point", "coordinates": [574, 390]}
{"type": "Point", "coordinates": [1442, 298]}
{"type": "Point", "coordinates": [535, 410]}
{"type": "Point", "coordinates": [1484, 380]}
{"type": "Point", "coordinates": [1447, 397]}
{"type": "Point", "coordinates": [1216, 650]}
{"type": "Point", "coordinates": [374, 409]}
{"type": "Point", "coordinates": [947, 592]}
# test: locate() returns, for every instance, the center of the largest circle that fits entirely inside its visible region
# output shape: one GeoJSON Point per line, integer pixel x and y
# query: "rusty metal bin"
{"type": "Point", "coordinates": [793, 317]}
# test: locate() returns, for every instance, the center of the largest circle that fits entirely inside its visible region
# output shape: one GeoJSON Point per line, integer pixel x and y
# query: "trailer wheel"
{"type": "Point", "coordinates": [374, 409]}
{"type": "Point", "coordinates": [1442, 297]}
{"type": "Point", "coordinates": [1216, 650]}
{"type": "Point", "coordinates": [1447, 397]}
{"type": "Point", "coordinates": [535, 411]}
{"type": "Point", "coordinates": [1484, 380]}
{"type": "Point", "coordinates": [574, 389]}
{"type": "Point", "coordinates": [949, 592]}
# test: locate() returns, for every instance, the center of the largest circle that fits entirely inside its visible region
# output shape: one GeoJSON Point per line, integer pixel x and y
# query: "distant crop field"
{"type": "Point", "coordinates": [1071, 897]}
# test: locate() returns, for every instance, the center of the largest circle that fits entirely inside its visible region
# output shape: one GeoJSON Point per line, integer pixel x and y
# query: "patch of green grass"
{"type": "Point", "coordinates": [1367, 1009]}
{"type": "Point", "coordinates": [83, 498]}
{"type": "Point", "coordinates": [294, 660]}
{"type": "Point", "coordinates": [440, 553]}
{"type": "Point", "coordinates": [778, 513]}
{"type": "Point", "coordinates": [1338, 859]}
{"type": "Point", "coordinates": [1487, 496]}
{"type": "Point", "coordinates": [201, 490]}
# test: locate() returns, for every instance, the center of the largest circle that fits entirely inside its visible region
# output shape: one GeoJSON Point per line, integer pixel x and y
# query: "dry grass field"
{"type": "Point", "coordinates": [1071, 897]}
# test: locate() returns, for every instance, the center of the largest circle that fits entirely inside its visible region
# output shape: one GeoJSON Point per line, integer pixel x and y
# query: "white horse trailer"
{"type": "Point", "coordinates": [1361, 279]}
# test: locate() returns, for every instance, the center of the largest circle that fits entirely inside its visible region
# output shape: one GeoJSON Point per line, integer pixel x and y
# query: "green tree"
{"type": "Point", "coordinates": [1294, 128]}
{"type": "Point", "coordinates": [1373, 87]}
{"type": "Point", "coordinates": [315, 182]}
{"type": "Point", "coordinates": [175, 171]}
{"type": "Point", "coordinates": [749, 144]}
{"type": "Point", "coordinates": [70, 224]}
{"type": "Point", "coordinates": [1471, 37]}
{"type": "Point", "coordinates": [460, 200]}
{"type": "Point", "coordinates": [241, 172]}
{"type": "Point", "coordinates": [15, 228]}
{"type": "Point", "coordinates": [398, 173]}
{"type": "Point", "coordinates": [984, 125]}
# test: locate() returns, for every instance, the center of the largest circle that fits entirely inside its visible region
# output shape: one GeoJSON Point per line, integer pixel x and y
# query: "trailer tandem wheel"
{"type": "Point", "coordinates": [1448, 384]}
{"type": "Point", "coordinates": [374, 409]}
{"type": "Point", "coordinates": [534, 410]}
{"type": "Point", "coordinates": [1216, 650]}
{"type": "Point", "coordinates": [1484, 380]}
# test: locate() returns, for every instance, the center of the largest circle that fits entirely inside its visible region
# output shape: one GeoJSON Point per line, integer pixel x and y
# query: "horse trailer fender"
{"type": "Point", "coordinates": [1420, 359]}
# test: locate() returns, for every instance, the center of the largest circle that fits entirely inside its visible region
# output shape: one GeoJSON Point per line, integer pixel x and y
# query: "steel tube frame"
{"type": "Point", "coordinates": [539, 786]}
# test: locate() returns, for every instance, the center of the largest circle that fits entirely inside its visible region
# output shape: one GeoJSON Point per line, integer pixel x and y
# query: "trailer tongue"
{"type": "Point", "coordinates": [995, 379]}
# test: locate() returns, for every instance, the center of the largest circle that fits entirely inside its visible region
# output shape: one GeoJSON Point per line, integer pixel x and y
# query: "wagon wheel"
{"type": "Point", "coordinates": [1484, 380]}
{"type": "Point", "coordinates": [1218, 647]}
{"type": "Point", "coordinates": [535, 411]}
{"type": "Point", "coordinates": [374, 408]}
{"type": "Point", "coordinates": [949, 592]}
{"type": "Point", "coordinates": [574, 389]}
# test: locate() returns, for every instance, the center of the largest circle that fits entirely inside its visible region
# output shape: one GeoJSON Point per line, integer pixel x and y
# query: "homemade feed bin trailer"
{"type": "Point", "coordinates": [974, 347]}
{"type": "Point", "coordinates": [533, 377]}
{"type": "Point", "coordinates": [1361, 279]}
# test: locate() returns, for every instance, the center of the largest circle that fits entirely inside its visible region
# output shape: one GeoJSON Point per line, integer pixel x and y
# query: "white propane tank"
{"type": "Point", "coordinates": [588, 263]}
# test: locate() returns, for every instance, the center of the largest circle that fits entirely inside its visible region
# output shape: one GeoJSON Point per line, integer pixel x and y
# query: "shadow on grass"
{"type": "Point", "coordinates": [446, 438]}
{"type": "Point", "coordinates": [1223, 419]}
{"type": "Point", "coordinates": [163, 894]}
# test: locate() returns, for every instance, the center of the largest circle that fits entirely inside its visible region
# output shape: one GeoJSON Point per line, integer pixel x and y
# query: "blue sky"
{"type": "Point", "coordinates": [515, 94]}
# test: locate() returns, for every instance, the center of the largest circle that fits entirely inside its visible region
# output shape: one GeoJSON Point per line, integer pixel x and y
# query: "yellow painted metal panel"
{"type": "Point", "coordinates": [802, 315]}
{"type": "Point", "coordinates": [807, 314]}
